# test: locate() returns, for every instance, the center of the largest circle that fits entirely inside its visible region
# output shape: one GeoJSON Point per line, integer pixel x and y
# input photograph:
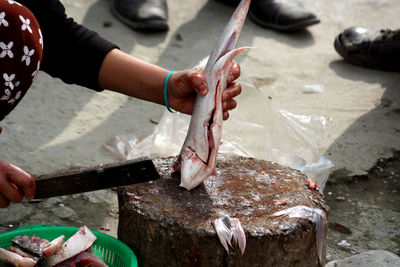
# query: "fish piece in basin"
{"type": "Point", "coordinates": [79, 242]}
{"type": "Point", "coordinates": [15, 259]}
{"type": "Point", "coordinates": [38, 246]}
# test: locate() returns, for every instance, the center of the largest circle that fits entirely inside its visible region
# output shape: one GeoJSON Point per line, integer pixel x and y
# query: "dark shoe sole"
{"type": "Point", "coordinates": [285, 28]}
{"type": "Point", "coordinates": [153, 25]}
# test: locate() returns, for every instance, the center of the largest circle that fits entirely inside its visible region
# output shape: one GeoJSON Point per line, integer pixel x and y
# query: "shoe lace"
{"type": "Point", "coordinates": [390, 35]}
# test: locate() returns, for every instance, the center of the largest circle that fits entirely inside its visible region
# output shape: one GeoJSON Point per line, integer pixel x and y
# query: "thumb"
{"type": "Point", "coordinates": [196, 81]}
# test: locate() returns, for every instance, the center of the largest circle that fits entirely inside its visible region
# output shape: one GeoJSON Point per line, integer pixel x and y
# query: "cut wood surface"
{"type": "Point", "coordinates": [166, 225]}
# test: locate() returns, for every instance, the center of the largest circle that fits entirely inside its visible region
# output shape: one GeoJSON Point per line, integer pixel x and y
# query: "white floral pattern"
{"type": "Point", "coordinates": [6, 96]}
{"type": "Point", "coordinates": [12, 100]}
{"type": "Point", "coordinates": [41, 38]}
{"type": "Point", "coordinates": [27, 55]}
{"type": "Point", "coordinates": [9, 80]}
{"type": "Point", "coordinates": [11, 2]}
{"type": "Point", "coordinates": [21, 47]}
{"type": "Point", "coordinates": [3, 21]}
{"type": "Point", "coordinates": [36, 71]}
{"type": "Point", "coordinates": [25, 24]}
{"type": "Point", "coordinates": [6, 49]}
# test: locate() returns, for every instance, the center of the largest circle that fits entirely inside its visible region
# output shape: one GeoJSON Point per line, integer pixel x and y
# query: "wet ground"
{"type": "Point", "coordinates": [364, 211]}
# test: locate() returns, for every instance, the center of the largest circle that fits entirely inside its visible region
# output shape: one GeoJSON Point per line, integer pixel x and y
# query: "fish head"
{"type": "Point", "coordinates": [193, 170]}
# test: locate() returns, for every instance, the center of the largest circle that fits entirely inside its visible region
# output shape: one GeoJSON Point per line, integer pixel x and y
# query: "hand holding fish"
{"type": "Point", "coordinates": [183, 86]}
{"type": "Point", "coordinates": [14, 184]}
{"type": "Point", "coordinates": [197, 159]}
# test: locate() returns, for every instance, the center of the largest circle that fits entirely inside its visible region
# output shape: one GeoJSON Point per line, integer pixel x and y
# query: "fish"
{"type": "Point", "coordinates": [15, 259]}
{"type": "Point", "coordinates": [317, 216]}
{"type": "Point", "coordinates": [76, 251]}
{"type": "Point", "coordinates": [197, 158]}
{"type": "Point", "coordinates": [79, 242]}
{"type": "Point", "coordinates": [38, 246]}
{"type": "Point", "coordinates": [53, 246]}
{"type": "Point", "coordinates": [230, 232]}
{"type": "Point", "coordinates": [22, 253]}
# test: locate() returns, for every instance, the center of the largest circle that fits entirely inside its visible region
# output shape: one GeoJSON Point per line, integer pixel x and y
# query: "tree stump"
{"type": "Point", "coordinates": [166, 225]}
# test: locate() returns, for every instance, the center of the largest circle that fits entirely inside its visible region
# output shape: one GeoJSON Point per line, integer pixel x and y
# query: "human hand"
{"type": "Point", "coordinates": [14, 184]}
{"type": "Point", "coordinates": [183, 86]}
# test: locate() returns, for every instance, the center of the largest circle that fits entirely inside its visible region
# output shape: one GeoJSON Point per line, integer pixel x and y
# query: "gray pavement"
{"type": "Point", "coordinates": [58, 126]}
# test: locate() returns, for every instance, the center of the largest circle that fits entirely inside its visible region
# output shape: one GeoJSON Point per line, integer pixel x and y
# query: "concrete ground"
{"type": "Point", "coordinates": [59, 126]}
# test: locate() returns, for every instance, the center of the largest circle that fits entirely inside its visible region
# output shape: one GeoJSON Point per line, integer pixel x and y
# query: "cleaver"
{"type": "Point", "coordinates": [95, 178]}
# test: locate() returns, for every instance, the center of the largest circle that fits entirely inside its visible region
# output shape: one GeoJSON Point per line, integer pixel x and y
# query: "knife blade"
{"type": "Point", "coordinates": [95, 178]}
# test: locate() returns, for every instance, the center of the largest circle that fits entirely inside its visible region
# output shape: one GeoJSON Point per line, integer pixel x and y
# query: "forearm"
{"type": "Point", "coordinates": [131, 76]}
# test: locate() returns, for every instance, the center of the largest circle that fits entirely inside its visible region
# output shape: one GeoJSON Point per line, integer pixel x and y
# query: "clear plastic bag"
{"type": "Point", "coordinates": [256, 128]}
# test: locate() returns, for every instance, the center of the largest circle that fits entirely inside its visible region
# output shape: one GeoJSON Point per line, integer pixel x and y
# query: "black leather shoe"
{"type": "Point", "coordinates": [370, 48]}
{"type": "Point", "coordinates": [279, 15]}
{"type": "Point", "coordinates": [142, 15]}
{"type": "Point", "coordinates": [284, 16]}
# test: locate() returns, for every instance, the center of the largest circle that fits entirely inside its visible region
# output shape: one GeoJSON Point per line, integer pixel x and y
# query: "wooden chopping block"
{"type": "Point", "coordinates": [166, 225]}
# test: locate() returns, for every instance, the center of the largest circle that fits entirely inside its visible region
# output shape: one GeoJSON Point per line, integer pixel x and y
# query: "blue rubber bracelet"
{"type": "Point", "coordinates": [165, 92]}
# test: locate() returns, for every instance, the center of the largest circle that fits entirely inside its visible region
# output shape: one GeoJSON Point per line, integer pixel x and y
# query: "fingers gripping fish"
{"type": "Point", "coordinates": [197, 159]}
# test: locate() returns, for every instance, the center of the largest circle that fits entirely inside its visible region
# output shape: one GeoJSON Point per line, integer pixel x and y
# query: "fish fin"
{"type": "Point", "coordinates": [239, 235]}
{"type": "Point", "coordinates": [228, 230]}
{"type": "Point", "coordinates": [230, 35]}
{"type": "Point", "coordinates": [224, 233]}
